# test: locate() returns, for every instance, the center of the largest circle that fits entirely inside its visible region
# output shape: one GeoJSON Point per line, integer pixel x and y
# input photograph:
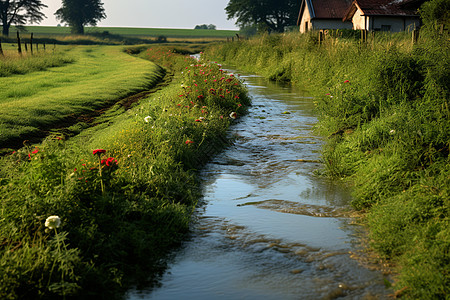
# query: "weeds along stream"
{"type": "Point", "coordinates": [267, 228]}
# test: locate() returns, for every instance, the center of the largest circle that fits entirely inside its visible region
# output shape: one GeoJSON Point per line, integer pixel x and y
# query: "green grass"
{"type": "Point", "coordinates": [384, 108]}
{"type": "Point", "coordinates": [116, 225]}
{"type": "Point", "coordinates": [53, 31]}
{"type": "Point", "coordinates": [97, 77]}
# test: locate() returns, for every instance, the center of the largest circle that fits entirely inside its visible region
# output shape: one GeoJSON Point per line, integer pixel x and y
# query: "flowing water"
{"type": "Point", "coordinates": [268, 228]}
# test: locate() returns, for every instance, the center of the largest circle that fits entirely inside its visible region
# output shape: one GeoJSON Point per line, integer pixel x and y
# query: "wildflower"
{"type": "Point", "coordinates": [189, 142]}
{"type": "Point", "coordinates": [392, 132]}
{"type": "Point", "coordinates": [53, 222]}
{"type": "Point", "coordinates": [233, 115]}
{"type": "Point", "coordinates": [111, 161]}
{"type": "Point", "coordinates": [98, 151]}
{"type": "Point", "coordinates": [197, 120]}
{"type": "Point", "coordinates": [347, 81]}
{"type": "Point", "coordinates": [200, 97]}
{"type": "Point", "coordinates": [35, 151]}
{"type": "Point", "coordinates": [239, 105]}
{"type": "Point", "coordinates": [147, 119]}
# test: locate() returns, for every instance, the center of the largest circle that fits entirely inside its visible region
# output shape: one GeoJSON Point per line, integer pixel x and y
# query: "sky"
{"type": "Point", "coordinates": [155, 13]}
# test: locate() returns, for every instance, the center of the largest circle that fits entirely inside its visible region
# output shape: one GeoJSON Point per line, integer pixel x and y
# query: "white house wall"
{"type": "Point", "coordinates": [305, 23]}
{"type": "Point", "coordinates": [358, 20]}
{"type": "Point", "coordinates": [396, 24]}
{"type": "Point", "coordinates": [331, 24]}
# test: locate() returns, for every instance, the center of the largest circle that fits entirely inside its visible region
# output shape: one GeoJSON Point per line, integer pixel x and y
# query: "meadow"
{"type": "Point", "coordinates": [89, 215]}
{"type": "Point", "coordinates": [50, 89]}
{"type": "Point", "coordinates": [120, 35]}
{"type": "Point", "coordinates": [383, 108]}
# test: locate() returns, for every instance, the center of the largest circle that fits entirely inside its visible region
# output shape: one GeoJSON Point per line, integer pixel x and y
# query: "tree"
{"type": "Point", "coordinates": [18, 12]}
{"type": "Point", "coordinates": [204, 26]}
{"type": "Point", "coordinates": [274, 15]}
{"type": "Point", "coordinates": [79, 13]}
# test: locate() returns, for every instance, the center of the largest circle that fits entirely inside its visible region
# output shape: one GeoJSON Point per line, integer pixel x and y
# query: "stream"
{"type": "Point", "coordinates": [267, 228]}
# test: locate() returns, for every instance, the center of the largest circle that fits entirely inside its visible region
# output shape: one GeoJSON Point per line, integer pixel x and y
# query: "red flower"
{"type": "Point", "coordinates": [189, 142]}
{"type": "Point", "coordinates": [347, 81]}
{"type": "Point", "coordinates": [35, 151]}
{"type": "Point", "coordinates": [200, 97]}
{"type": "Point", "coordinates": [111, 161]}
{"type": "Point", "coordinates": [98, 151]}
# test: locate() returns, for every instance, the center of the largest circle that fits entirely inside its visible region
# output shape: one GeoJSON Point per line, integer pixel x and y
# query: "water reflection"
{"type": "Point", "coordinates": [269, 229]}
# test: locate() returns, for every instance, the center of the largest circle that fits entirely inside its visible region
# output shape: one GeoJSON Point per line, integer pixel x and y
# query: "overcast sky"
{"type": "Point", "coordinates": [155, 13]}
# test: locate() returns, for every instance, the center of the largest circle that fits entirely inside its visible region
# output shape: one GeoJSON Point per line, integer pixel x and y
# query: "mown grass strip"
{"type": "Point", "coordinates": [98, 77]}
{"type": "Point", "coordinates": [123, 191]}
{"type": "Point", "coordinates": [384, 108]}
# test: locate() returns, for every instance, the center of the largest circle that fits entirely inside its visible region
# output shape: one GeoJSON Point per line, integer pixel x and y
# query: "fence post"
{"type": "Point", "coordinates": [320, 37]}
{"type": "Point", "coordinates": [1, 50]}
{"type": "Point", "coordinates": [19, 46]}
{"type": "Point", "coordinates": [415, 36]}
{"type": "Point", "coordinates": [44, 46]}
{"type": "Point", "coordinates": [363, 35]}
{"type": "Point", "coordinates": [26, 47]}
{"type": "Point", "coordinates": [31, 43]}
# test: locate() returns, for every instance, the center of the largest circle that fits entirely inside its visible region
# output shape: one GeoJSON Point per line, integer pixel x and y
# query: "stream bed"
{"type": "Point", "coordinates": [267, 228]}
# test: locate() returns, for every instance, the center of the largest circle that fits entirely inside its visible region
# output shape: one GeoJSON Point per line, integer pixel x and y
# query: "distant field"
{"type": "Point", "coordinates": [49, 31]}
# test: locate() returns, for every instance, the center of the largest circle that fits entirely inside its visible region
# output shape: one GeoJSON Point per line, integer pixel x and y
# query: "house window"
{"type": "Point", "coordinates": [306, 26]}
{"type": "Point", "coordinates": [385, 27]}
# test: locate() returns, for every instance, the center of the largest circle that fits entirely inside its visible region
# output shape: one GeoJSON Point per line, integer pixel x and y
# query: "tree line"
{"type": "Point", "coordinates": [75, 13]}
{"type": "Point", "coordinates": [257, 15]}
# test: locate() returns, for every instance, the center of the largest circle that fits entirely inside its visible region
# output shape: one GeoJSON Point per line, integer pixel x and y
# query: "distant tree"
{"type": "Point", "coordinates": [18, 12]}
{"type": "Point", "coordinates": [204, 26]}
{"type": "Point", "coordinates": [79, 13]}
{"type": "Point", "coordinates": [271, 15]}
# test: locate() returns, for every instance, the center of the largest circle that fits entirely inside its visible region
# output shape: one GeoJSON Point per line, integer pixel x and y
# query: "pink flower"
{"type": "Point", "coordinates": [98, 151]}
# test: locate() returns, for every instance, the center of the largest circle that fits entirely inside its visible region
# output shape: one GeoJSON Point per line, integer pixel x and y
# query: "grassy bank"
{"type": "Point", "coordinates": [81, 80]}
{"type": "Point", "coordinates": [122, 207]}
{"type": "Point", "coordinates": [384, 107]}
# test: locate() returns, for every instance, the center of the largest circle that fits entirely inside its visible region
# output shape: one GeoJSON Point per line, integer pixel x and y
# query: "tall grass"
{"type": "Point", "coordinates": [384, 107]}
{"type": "Point", "coordinates": [121, 211]}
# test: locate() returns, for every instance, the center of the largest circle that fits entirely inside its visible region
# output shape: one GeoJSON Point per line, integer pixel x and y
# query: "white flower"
{"type": "Point", "coordinates": [392, 132]}
{"type": "Point", "coordinates": [233, 115]}
{"type": "Point", "coordinates": [147, 119]}
{"type": "Point", "coordinates": [53, 222]}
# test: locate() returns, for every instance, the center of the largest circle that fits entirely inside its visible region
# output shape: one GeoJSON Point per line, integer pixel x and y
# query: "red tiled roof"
{"type": "Point", "coordinates": [330, 9]}
{"type": "Point", "coordinates": [386, 7]}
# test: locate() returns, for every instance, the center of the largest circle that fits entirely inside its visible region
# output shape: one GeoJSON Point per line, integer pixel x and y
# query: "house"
{"type": "Point", "coordinates": [384, 15]}
{"type": "Point", "coordinates": [323, 14]}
